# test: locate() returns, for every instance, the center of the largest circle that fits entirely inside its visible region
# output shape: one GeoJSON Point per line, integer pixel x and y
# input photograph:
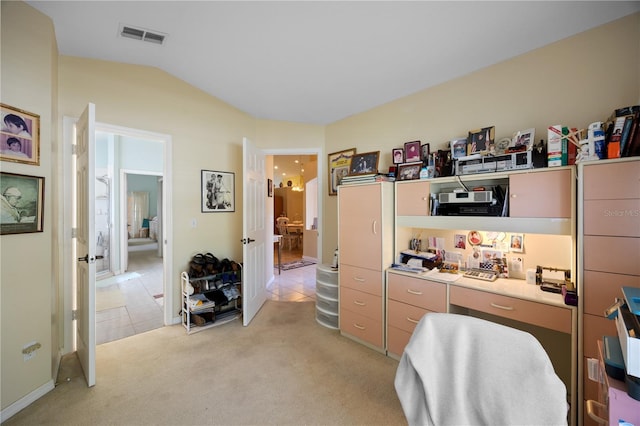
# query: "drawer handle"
{"type": "Point", "coordinates": [506, 308]}
{"type": "Point", "coordinates": [591, 404]}
{"type": "Point", "coordinates": [358, 326]}
{"type": "Point", "coordinates": [357, 302]}
{"type": "Point", "coordinates": [375, 231]}
{"type": "Point", "coordinates": [416, 292]}
{"type": "Point", "coordinates": [358, 279]}
{"type": "Point", "coordinates": [412, 320]}
{"type": "Point", "coordinates": [424, 198]}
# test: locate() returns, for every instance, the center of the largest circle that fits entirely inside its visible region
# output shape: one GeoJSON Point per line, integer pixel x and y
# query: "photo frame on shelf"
{"type": "Point", "coordinates": [523, 140]}
{"type": "Point", "coordinates": [458, 148]}
{"type": "Point", "coordinates": [21, 203]}
{"type": "Point", "coordinates": [19, 135]}
{"type": "Point", "coordinates": [217, 191]}
{"type": "Point", "coordinates": [425, 153]}
{"type": "Point", "coordinates": [339, 164]}
{"type": "Point", "coordinates": [409, 171]}
{"type": "Point", "coordinates": [481, 140]}
{"type": "Point", "coordinates": [412, 151]}
{"type": "Point", "coordinates": [364, 164]}
{"type": "Point", "coordinates": [398, 155]}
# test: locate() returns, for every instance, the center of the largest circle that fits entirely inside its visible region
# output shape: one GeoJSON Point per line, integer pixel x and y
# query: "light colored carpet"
{"type": "Point", "coordinates": [109, 298]}
{"type": "Point", "coordinates": [283, 369]}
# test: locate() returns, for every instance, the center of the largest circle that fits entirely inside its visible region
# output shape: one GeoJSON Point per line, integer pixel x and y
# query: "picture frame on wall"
{"type": "Point", "coordinates": [217, 191]}
{"type": "Point", "coordinates": [269, 188]}
{"type": "Point", "coordinates": [409, 171]}
{"type": "Point", "coordinates": [19, 135]}
{"type": "Point", "coordinates": [364, 164]}
{"type": "Point", "coordinates": [412, 151]}
{"type": "Point", "coordinates": [21, 203]}
{"type": "Point", "coordinates": [339, 164]}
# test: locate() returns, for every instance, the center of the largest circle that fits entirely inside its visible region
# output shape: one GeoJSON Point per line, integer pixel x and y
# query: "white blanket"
{"type": "Point", "coordinates": [461, 370]}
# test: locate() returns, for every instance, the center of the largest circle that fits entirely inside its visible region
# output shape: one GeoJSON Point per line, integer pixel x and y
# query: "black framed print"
{"type": "Point", "coordinates": [398, 156]}
{"type": "Point", "coordinates": [218, 191]}
{"type": "Point", "coordinates": [21, 203]}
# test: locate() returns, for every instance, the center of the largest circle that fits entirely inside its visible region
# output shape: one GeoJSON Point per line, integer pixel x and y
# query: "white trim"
{"type": "Point", "coordinates": [25, 401]}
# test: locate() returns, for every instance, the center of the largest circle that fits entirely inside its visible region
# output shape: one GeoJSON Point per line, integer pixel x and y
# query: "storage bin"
{"type": "Point", "coordinates": [326, 274]}
{"type": "Point", "coordinates": [327, 304]}
{"type": "Point", "coordinates": [327, 290]}
{"type": "Point", "coordinates": [326, 319]}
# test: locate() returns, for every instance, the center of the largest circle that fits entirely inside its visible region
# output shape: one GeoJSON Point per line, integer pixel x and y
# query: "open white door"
{"type": "Point", "coordinates": [254, 232]}
{"type": "Point", "coordinates": [86, 244]}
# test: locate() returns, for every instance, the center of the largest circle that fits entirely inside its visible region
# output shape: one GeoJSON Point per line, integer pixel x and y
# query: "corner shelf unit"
{"type": "Point", "coordinates": [200, 312]}
{"type": "Point", "coordinates": [327, 309]}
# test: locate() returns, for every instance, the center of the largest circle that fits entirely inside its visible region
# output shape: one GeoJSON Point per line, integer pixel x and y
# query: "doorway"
{"type": "Point", "coordinates": [130, 145]}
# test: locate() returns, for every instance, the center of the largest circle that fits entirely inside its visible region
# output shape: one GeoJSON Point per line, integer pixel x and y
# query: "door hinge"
{"type": "Point", "coordinates": [74, 232]}
{"type": "Point", "coordinates": [74, 149]}
{"type": "Point", "coordinates": [74, 314]}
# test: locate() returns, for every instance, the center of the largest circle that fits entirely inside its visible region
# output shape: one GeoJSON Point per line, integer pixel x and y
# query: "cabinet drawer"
{"type": "Point", "coordinates": [613, 181]}
{"type": "Point", "coordinates": [601, 288]}
{"type": "Point", "coordinates": [397, 340]}
{"type": "Point", "coordinates": [612, 254]}
{"type": "Point", "coordinates": [361, 279]}
{"type": "Point", "coordinates": [403, 316]}
{"type": "Point", "coordinates": [363, 303]}
{"type": "Point", "coordinates": [364, 328]}
{"type": "Point", "coordinates": [412, 198]}
{"type": "Point", "coordinates": [612, 217]}
{"type": "Point", "coordinates": [593, 328]}
{"type": "Point", "coordinates": [547, 316]}
{"type": "Point", "coordinates": [417, 292]}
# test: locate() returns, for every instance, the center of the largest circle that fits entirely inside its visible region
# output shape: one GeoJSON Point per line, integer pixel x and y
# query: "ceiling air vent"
{"type": "Point", "coordinates": [142, 34]}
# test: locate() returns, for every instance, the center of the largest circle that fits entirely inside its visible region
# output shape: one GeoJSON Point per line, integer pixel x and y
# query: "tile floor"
{"type": "Point", "coordinates": [132, 303]}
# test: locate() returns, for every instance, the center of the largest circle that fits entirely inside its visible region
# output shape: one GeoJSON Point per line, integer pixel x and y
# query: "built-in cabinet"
{"type": "Point", "coordinates": [609, 243]}
{"type": "Point", "coordinates": [365, 243]}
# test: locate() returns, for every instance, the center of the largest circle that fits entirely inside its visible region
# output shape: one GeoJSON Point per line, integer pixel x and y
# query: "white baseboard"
{"type": "Point", "coordinates": [25, 401]}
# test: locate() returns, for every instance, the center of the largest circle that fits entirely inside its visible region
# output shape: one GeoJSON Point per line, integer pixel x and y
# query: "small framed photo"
{"type": "Point", "coordinates": [269, 188]}
{"type": "Point", "coordinates": [480, 140]}
{"type": "Point", "coordinates": [363, 164]}
{"type": "Point", "coordinates": [398, 156]}
{"type": "Point", "coordinates": [523, 140]}
{"type": "Point", "coordinates": [412, 151]}
{"type": "Point", "coordinates": [339, 164]}
{"type": "Point", "coordinates": [19, 136]}
{"type": "Point", "coordinates": [458, 148]}
{"type": "Point", "coordinates": [21, 203]}
{"type": "Point", "coordinates": [425, 154]}
{"type": "Point", "coordinates": [517, 243]}
{"type": "Point", "coordinates": [218, 191]}
{"type": "Point", "coordinates": [409, 171]}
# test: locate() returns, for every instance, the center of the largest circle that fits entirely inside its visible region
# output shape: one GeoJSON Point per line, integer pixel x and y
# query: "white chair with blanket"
{"type": "Point", "coordinates": [461, 370]}
{"type": "Point", "coordinates": [288, 239]}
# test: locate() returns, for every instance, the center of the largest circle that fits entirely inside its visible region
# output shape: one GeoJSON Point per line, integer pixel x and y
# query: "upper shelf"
{"type": "Point", "coordinates": [551, 226]}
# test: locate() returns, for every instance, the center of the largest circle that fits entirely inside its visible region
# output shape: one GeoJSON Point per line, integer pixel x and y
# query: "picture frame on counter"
{"type": "Point", "coordinates": [339, 164]}
{"type": "Point", "coordinates": [409, 171]}
{"type": "Point", "coordinates": [480, 140]}
{"type": "Point", "coordinates": [364, 164]}
{"type": "Point", "coordinates": [412, 151]}
{"type": "Point", "coordinates": [397, 155]}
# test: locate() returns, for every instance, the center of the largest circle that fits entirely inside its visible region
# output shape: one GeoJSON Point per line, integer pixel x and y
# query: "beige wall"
{"type": "Point", "coordinates": [573, 82]}
{"type": "Point", "coordinates": [27, 291]}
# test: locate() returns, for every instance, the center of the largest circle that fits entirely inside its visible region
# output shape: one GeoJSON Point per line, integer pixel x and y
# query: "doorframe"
{"type": "Point", "coordinates": [318, 152]}
{"type": "Point", "coordinates": [67, 281]}
{"type": "Point", "coordinates": [124, 234]}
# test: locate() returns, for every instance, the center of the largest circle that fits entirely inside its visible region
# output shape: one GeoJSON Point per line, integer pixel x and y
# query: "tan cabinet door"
{"type": "Point", "coordinates": [360, 226]}
{"type": "Point", "coordinates": [413, 198]}
{"type": "Point", "coordinates": [543, 194]}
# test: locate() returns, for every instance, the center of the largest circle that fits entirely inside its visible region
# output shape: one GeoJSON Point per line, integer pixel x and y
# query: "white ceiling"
{"type": "Point", "coordinates": [319, 62]}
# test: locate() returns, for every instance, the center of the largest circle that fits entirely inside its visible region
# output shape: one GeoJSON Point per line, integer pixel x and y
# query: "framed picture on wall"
{"type": "Point", "coordinates": [19, 136]}
{"type": "Point", "coordinates": [218, 191]}
{"type": "Point", "coordinates": [269, 188]}
{"type": "Point", "coordinates": [339, 164]}
{"type": "Point", "coordinates": [21, 203]}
